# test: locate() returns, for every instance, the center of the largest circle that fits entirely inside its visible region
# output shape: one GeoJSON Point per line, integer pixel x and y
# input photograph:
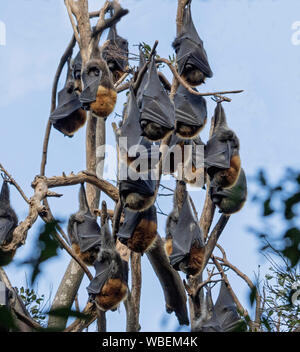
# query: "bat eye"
{"type": "Point", "coordinates": [77, 75]}
{"type": "Point", "coordinates": [95, 71]}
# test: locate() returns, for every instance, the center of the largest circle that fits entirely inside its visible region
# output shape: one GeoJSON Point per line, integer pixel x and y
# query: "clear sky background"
{"type": "Point", "coordinates": [249, 47]}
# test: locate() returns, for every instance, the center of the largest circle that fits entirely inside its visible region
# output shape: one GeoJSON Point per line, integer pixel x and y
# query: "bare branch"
{"type": "Point", "coordinates": [13, 182]}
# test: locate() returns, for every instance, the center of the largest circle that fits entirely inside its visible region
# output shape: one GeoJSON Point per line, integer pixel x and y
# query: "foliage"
{"type": "Point", "coordinates": [46, 247]}
{"type": "Point", "coordinates": [34, 304]}
{"type": "Point", "coordinates": [279, 205]}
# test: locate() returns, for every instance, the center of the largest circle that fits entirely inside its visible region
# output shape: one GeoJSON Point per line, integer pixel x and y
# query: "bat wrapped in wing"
{"type": "Point", "coordinates": [137, 191]}
{"type": "Point", "coordinates": [185, 244]}
{"type": "Point", "coordinates": [115, 53]}
{"type": "Point", "coordinates": [139, 230]}
{"type": "Point", "coordinates": [135, 146]}
{"type": "Point", "coordinates": [98, 94]}
{"type": "Point", "coordinates": [190, 113]}
{"type": "Point", "coordinates": [8, 223]}
{"type": "Point", "coordinates": [68, 117]}
{"type": "Point", "coordinates": [110, 284]}
{"type": "Point", "coordinates": [157, 111]}
{"type": "Point", "coordinates": [192, 60]}
{"type": "Point", "coordinates": [231, 200]}
{"type": "Point", "coordinates": [194, 172]}
{"type": "Point", "coordinates": [84, 231]}
{"type": "Point", "coordinates": [221, 316]}
{"type": "Point", "coordinates": [222, 159]}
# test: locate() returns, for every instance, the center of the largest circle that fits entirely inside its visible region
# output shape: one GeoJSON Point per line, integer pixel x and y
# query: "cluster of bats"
{"type": "Point", "coordinates": [149, 117]}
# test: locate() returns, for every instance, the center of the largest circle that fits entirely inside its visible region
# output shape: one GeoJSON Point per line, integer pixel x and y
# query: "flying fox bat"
{"type": "Point", "coordinates": [84, 231]}
{"type": "Point", "coordinates": [8, 223]}
{"type": "Point", "coordinates": [221, 316]}
{"type": "Point", "coordinates": [222, 159]}
{"type": "Point", "coordinates": [231, 200]}
{"type": "Point", "coordinates": [137, 193]}
{"type": "Point", "coordinates": [226, 310]}
{"type": "Point", "coordinates": [98, 94]}
{"type": "Point", "coordinates": [110, 284]}
{"type": "Point", "coordinates": [136, 145]}
{"type": "Point", "coordinates": [68, 117]}
{"type": "Point", "coordinates": [190, 113]}
{"type": "Point", "coordinates": [194, 173]}
{"type": "Point", "coordinates": [185, 157]}
{"type": "Point", "coordinates": [115, 53]}
{"type": "Point", "coordinates": [139, 230]}
{"type": "Point", "coordinates": [184, 239]}
{"type": "Point", "coordinates": [157, 111]}
{"type": "Point", "coordinates": [192, 60]}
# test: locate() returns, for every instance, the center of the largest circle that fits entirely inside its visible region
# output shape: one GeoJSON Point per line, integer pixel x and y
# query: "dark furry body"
{"type": "Point", "coordinates": [69, 125]}
{"type": "Point", "coordinates": [153, 131]}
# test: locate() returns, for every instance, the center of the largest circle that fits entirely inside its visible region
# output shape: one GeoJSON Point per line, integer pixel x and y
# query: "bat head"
{"type": "Point", "coordinates": [115, 51]}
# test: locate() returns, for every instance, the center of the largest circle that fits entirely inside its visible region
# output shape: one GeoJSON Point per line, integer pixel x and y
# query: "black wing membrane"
{"type": "Point", "coordinates": [190, 109]}
{"type": "Point", "coordinates": [6, 225]}
{"type": "Point", "coordinates": [68, 102]}
{"type": "Point", "coordinates": [144, 187]}
{"type": "Point", "coordinates": [116, 50]}
{"type": "Point", "coordinates": [131, 126]}
{"type": "Point", "coordinates": [132, 220]}
{"type": "Point", "coordinates": [156, 104]}
{"type": "Point", "coordinates": [88, 233]}
{"type": "Point", "coordinates": [219, 148]}
{"type": "Point", "coordinates": [184, 234]}
{"type": "Point", "coordinates": [189, 46]}
{"type": "Point", "coordinates": [226, 310]}
{"type": "Point", "coordinates": [8, 217]}
{"type": "Point", "coordinates": [91, 81]}
{"type": "Point", "coordinates": [103, 270]}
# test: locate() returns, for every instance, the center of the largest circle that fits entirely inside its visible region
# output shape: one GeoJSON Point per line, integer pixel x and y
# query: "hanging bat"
{"type": "Point", "coordinates": [115, 53]}
{"type": "Point", "coordinates": [68, 117]}
{"type": "Point", "coordinates": [192, 60]}
{"type": "Point", "coordinates": [110, 284]}
{"type": "Point", "coordinates": [184, 239]}
{"type": "Point", "coordinates": [194, 172]}
{"type": "Point", "coordinates": [231, 200]}
{"type": "Point", "coordinates": [137, 193]}
{"type": "Point", "coordinates": [226, 310]}
{"type": "Point", "coordinates": [98, 94]}
{"type": "Point", "coordinates": [8, 223]}
{"type": "Point", "coordinates": [84, 231]}
{"type": "Point", "coordinates": [190, 113]}
{"type": "Point", "coordinates": [139, 230]}
{"type": "Point", "coordinates": [76, 71]}
{"type": "Point", "coordinates": [157, 111]}
{"type": "Point", "coordinates": [219, 317]}
{"type": "Point", "coordinates": [222, 159]}
{"type": "Point", "coordinates": [138, 151]}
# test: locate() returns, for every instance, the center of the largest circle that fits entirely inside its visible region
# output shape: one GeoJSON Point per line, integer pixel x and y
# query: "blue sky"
{"type": "Point", "coordinates": [249, 46]}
